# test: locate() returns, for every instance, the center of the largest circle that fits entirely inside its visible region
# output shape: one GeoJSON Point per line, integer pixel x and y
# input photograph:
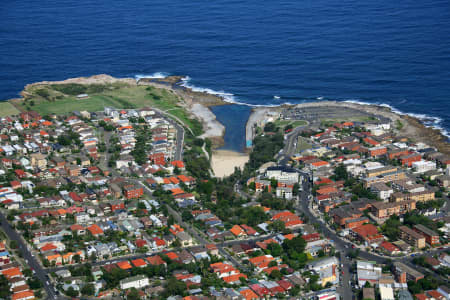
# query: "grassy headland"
{"type": "Point", "coordinates": [61, 98]}
{"type": "Point", "coordinates": [7, 109]}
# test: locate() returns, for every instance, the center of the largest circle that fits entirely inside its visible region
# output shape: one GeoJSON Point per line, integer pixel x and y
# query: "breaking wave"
{"type": "Point", "coordinates": [154, 75]}
{"type": "Point", "coordinates": [427, 120]}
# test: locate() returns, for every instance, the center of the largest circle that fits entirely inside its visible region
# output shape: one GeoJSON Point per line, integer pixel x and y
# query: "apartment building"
{"type": "Point", "coordinates": [412, 237]}
{"type": "Point", "coordinates": [431, 237]}
{"type": "Point", "coordinates": [382, 190]}
{"type": "Point", "coordinates": [384, 178]}
{"type": "Point", "coordinates": [377, 151]}
{"type": "Point", "coordinates": [417, 196]}
{"type": "Point", "coordinates": [137, 282]}
{"type": "Point", "coordinates": [405, 273]}
{"type": "Point", "coordinates": [407, 160]}
{"type": "Point", "coordinates": [133, 191]}
{"type": "Point", "coordinates": [384, 210]}
{"type": "Point", "coordinates": [380, 171]}
{"type": "Point", "coordinates": [392, 154]}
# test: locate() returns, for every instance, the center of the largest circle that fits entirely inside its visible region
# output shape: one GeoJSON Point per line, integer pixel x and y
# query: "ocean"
{"type": "Point", "coordinates": [395, 53]}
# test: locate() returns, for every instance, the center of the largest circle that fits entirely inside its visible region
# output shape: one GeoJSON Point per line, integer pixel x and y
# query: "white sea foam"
{"type": "Point", "coordinates": [155, 75]}
{"type": "Point", "coordinates": [227, 97]}
{"type": "Point", "coordinates": [427, 120]}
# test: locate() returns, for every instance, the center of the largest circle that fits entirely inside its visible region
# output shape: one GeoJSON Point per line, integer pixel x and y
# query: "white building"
{"type": "Point", "coordinates": [323, 263]}
{"type": "Point", "coordinates": [136, 282]}
{"type": "Point", "coordinates": [282, 173]}
{"type": "Point", "coordinates": [382, 190]}
{"type": "Point", "coordinates": [423, 166]}
{"type": "Point", "coordinates": [81, 218]}
{"type": "Point", "coordinates": [367, 271]}
{"type": "Point", "coordinates": [284, 192]}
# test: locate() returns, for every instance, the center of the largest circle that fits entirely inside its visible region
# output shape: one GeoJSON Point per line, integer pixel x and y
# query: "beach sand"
{"type": "Point", "coordinates": [224, 161]}
{"type": "Point", "coordinates": [213, 127]}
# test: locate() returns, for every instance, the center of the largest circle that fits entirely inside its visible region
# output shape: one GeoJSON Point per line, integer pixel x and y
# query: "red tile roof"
{"type": "Point", "coordinates": [139, 262]}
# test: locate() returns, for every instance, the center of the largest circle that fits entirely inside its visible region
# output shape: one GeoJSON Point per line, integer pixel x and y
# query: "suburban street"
{"type": "Point", "coordinates": [290, 144]}
{"type": "Point", "coordinates": [41, 273]}
{"type": "Point", "coordinates": [304, 201]}
{"type": "Point", "coordinates": [180, 132]}
{"type": "Point", "coordinates": [343, 246]}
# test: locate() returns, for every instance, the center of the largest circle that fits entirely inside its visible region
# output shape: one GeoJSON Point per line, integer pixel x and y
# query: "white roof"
{"type": "Point", "coordinates": [386, 293]}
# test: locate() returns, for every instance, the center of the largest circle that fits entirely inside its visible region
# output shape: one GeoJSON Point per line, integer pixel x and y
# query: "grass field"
{"type": "Point", "coordinates": [294, 123]}
{"type": "Point", "coordinates": [347, 119]}
{"type": "Point", "coordinates": [302, 144]}
{"type": "Point", "coordinates": [7, 109]}
{"type": "Point", "coordinates": [118, 96]}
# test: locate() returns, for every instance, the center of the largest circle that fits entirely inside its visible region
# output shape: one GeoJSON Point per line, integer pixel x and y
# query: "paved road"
{"type": "Point", "coordinates": [290, 144]}
{"type": "Point", "coordinates": [41, 274]}
{"type": "Point", "coordinates": [344, 288]}
{"type": "Point", "coordinates": [180, 132]}
{"type": "Point", "coordinates": [194, 233]}
{"type": "Point", "coordinates": [344, 246]}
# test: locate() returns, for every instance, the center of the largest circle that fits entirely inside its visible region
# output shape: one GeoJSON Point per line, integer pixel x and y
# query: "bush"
{"type": "Point", "coordinates": [43, 93]}
{"type": "Point", "coordinates": [70, 88]}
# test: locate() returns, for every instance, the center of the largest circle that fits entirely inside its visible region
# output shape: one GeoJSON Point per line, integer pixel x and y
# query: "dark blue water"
{"type": "Point", "coordinates": [234, 118]}
{"type": "Point", "coordinates": [393, 52]}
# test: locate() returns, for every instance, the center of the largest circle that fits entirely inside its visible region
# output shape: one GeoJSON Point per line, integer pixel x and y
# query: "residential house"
{"type": "Point", "coordinates": [136, 282]}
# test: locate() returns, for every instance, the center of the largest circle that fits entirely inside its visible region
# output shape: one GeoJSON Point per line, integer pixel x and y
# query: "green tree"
{"type": "Point", "coordinates": [4, 287]}
{"type": "Point", "coordinates": [34, 283]}
{"type": "Point", "coordinates": [88, 289]}
{"type": "Point", "coordinates": [133, 294]}
{"type": "Point", "coordinates": [77, 258]}
{"type": "Point", "coordinates": [13, 244]}
{"type": "Point", "coordinates": [71, 292]}
{"type": "Point", "coordinates": [390, 228]}
{"type": "Point", "coordinates": [272, 264]}
{"type": "Point", "coordinates": [270, 127]}
{"type": "Point", "coordinates": [295, 245]}
{"type": "Point", "coordinates": [276, 275]}
{"type": "Point", "coordinates": [186, 216]}
{"type": "Point", "coordinates": [277, 226]}
{"type": "Point", "coordinates": [275, 249]}
{"type": "Point", "coordinates": [340, 172]}
{"type": "Point", "coordinates": [174, 287]}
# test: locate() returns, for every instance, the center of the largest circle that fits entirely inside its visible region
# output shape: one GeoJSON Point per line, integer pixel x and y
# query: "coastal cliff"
{"type": "Point", "coordinates": [171, 95]}
{"type": "Point", "coordinates": [48, 96]}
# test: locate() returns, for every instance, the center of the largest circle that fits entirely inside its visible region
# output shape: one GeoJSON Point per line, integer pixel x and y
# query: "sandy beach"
{"type": "Point", "coordinates": [224, 161]}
